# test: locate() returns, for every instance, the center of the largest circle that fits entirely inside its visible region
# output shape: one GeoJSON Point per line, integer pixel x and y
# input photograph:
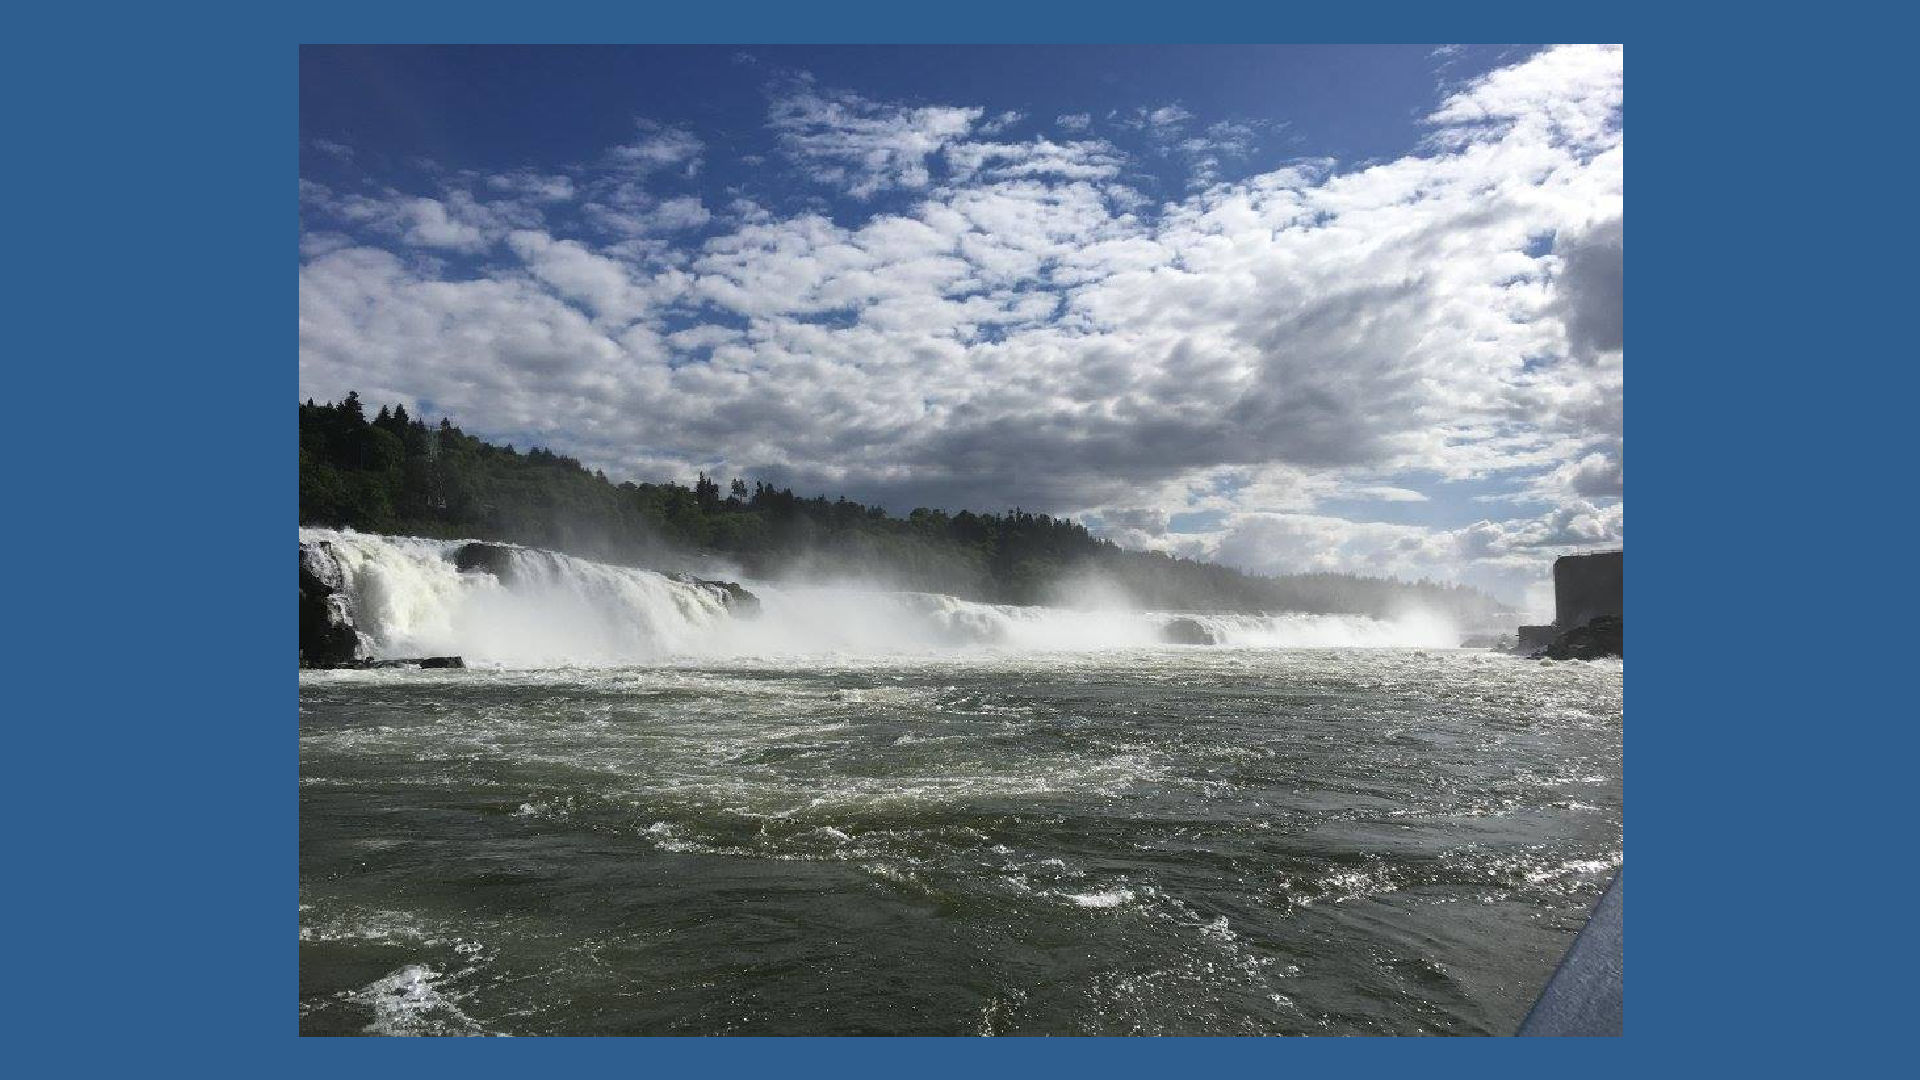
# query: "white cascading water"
{"type": "Point", "coordinates": [407, 599]}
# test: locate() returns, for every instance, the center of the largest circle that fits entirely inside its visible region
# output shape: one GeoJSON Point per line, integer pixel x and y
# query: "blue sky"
{"type": "Point", "coordinates": [1290, 308]}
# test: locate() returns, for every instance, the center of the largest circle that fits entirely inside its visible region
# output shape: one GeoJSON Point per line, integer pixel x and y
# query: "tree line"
{"type": "Point", "coordinates": [394, 473]}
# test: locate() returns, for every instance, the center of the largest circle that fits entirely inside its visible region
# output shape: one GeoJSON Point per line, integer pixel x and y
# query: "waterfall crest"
{"type": "Point", "coordinates": [523, 607]}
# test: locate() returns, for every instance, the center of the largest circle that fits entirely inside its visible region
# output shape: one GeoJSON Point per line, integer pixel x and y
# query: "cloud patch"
{"type": "Point", "coordinates": [861, 146]}
{"type": "Point", "coordinates": [1019, 325]}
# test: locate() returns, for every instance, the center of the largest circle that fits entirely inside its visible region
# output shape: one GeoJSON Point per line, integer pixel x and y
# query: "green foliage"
{"type": "Point", "coordinates": [395, 474]}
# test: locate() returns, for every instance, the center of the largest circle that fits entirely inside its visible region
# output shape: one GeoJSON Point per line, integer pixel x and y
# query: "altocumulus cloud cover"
{"type": "Point", "coordinates": [1211, 334]}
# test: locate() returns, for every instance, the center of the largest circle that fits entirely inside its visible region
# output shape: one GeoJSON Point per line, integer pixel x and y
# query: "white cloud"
{"type": "Point", "coordinates": [428, 223]}
{"type": "Point", "coordinates": [1591, 287]}
{"type": "Point", "coordinates": [528, 183]}
{"type": "Point", "coordinates": [1091, 159]}
{"type": "Point", "coordinates": [1165, 119]}
{"type": "Point", "coordinates": [635, 214]}
{"type": "Point", "coordinates": [455, 223]}
{"type": "Point", "coordinates": [1569, 95]}
{"type": "Point", "coordinates": [1030, 331]}
{"type": "Point", "coordinates": [1506, 557]}
{"type": "Point", "coordinates": [996, 124]}
{"type": "Point", "coordinates": [863, 146]}
{"type": "Point", "coordinates": [1171, 131]}
{"type": "Point", "coordinates": [606, 288]}
{"type": "Point", "coordinates": [337, 150]}
{"type": "Point", "coordinates": [1597, 475]}
{"type": "Point", "coordinates": [1208, 153]}
{"type": "Point", "coordinates": [658, 148]}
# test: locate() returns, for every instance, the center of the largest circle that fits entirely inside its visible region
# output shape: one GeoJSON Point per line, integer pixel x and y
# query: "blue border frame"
{"type": "Point", "coordinates": [157, 912]}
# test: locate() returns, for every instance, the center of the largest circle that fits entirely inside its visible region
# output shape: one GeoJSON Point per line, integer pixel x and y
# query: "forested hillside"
{"type": "Point", "coordinates": [396, 474]}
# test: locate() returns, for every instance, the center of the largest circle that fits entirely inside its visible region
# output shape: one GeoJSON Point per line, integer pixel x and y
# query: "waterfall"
{"type": "Point", "coordinates": [408, 597]}
{"type": "Point", "coordinates": [523, 607]}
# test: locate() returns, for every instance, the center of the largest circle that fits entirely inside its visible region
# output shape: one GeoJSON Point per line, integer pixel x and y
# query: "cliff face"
{"type": "Point", "coordinates": [1587, 587]}
{"type": "Point", "coordinates": [327, 637]}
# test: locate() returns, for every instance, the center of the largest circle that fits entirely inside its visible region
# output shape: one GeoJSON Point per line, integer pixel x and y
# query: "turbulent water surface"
{"type": "Point", "coordinates": [952, 830]}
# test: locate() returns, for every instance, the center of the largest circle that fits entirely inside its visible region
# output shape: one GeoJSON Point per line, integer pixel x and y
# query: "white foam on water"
{"type": "Point", "coordinates": [406, 1002]}
{"type": "Point", "coordinates": [1573, 867]}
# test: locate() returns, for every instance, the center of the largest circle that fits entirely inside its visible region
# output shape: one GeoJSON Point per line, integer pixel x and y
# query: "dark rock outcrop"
{"type": "Point", "coordinates": [495, 559]}
{"type": "Point", "coordinates": [739, 602]}
{"type": "Point", "coordinates": [413, 662]}
{"type": "Point", "coordinates": [1599, 637]}
{"type": "Point", "coordinates": [327, 636]}
{"type": "Point", "coordinates": [1187, 632]}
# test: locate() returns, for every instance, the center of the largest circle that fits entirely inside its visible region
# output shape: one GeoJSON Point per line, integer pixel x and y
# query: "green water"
{"type": "Point", "coordinates": [1150, 841]}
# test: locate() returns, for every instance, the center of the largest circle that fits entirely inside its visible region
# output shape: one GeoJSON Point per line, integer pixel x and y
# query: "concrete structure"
{"type": "Point", "coordinates": [1532, 639]}
{"type": "Point", "coordinates": [1589, 600]}
{"type": "Point", "coordinates": [1587, 587]}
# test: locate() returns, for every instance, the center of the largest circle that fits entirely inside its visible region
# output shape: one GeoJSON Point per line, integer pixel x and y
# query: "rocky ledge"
{"type": "Point", "coordinates": [327, 637]}
{"type": "Point", "coordinates": [1185, 631]}
{"type": "Point", "coordinates": [1602, 636]}
{"type": "Point", "coordinates": [495, 559]}
{"type": "Point", "coordinates": [415, 662]}
{"type": "Point", "coordinates": [738, 601]}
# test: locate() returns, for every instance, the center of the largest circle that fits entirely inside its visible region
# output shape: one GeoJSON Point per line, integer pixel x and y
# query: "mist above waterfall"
{"type": "Point", "coordinates": [407, 597]}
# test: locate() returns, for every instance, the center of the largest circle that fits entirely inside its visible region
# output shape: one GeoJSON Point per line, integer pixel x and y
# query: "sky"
{"type": "Point", "coordinates": [1285, 308]}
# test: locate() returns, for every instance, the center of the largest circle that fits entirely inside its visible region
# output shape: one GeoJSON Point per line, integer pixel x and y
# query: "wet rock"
{"type": "Point", "coordinates": [1187, 632]}
{"type": "Point", "coordinates": [327, 636]}
{"type": "Point", "coordinates": [1599, 637]}
{"type": "Point", "coordinates": [738, 601]}
{"type": "Point", "coordinates": [413, 662]}
{"type": "Point", "coordinates": [495, 559]}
